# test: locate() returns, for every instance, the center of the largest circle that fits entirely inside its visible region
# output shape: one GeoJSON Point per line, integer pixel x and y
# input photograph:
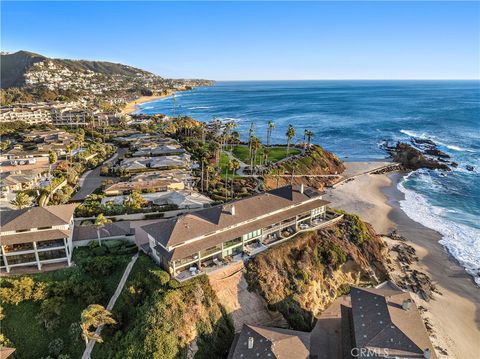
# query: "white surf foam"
{"type": "Point", "coordinates": [461, 241]}
{"type": "Point", "coordinates": [425, 135]}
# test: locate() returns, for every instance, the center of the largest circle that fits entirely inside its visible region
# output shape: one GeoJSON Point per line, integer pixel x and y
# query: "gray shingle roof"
{"type": "Point", "coordinates": [36, 217]}
{"type": "Point", "coordinates": [380, 321]}
{"type": "Point", "coordinates": [175, 231]}
{"type": "Point", "coordinates": [271, 343]}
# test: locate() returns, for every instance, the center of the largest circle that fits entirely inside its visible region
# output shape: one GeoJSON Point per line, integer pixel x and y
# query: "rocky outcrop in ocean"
{"type": "Point", "coordinates": [421, 153]}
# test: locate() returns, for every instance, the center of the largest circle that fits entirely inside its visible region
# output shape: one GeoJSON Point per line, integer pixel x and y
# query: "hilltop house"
{"type": "Point", "coordinates": [36, 236]}
{"type": "Point", "coordinates": [196, 241]}
{"type": "Point", "coordinates": [381, 322]}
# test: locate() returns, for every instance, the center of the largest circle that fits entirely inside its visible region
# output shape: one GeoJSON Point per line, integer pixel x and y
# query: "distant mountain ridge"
{"type": "Point", "coordinates": [15, 66]}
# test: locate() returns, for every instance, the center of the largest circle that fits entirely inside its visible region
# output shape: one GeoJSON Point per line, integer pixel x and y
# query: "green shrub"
{"type": "Point", "coordinates": [302, 275]}
{"type": "Point", "coordinates": [55, 347]}
{"type": "Point", "coordinates": [101, 265]}
{"type": "Point", "coordinates": [162, 276]}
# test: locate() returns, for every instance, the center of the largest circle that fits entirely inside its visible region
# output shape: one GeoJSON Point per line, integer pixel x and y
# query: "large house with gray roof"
{"type": "Point", "coordinates": [36, 236]}
{"type": "Point", "coordinates": [380, 322]}
{"type": "Point", "coordinates": [198, 241]}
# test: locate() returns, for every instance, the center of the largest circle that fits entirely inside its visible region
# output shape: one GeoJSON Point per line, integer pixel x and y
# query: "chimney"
{"type": "Point", "coordinates": [427, 354]}
{"type": "Point", "coordinates": [407, 304]}
{"type": "Point", "coordinates": [250, 342]}
{"type": "Point", "coordinates": [301, 188]}
{"type": "Point", "coordinates": [232, 210]}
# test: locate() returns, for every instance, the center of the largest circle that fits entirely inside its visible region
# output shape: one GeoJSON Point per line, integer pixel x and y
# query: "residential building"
{"type": "Point", "coordinates": [142, 164]}
{"type": "Point", "coordinates": [159, 150]}
{"type": "Point", "coordinates": [173, 199]}
{"type": "Point", "coordinates": [200, 240]}
{"type": "Point", "coordinates": [154, 185]}
{"type": "Point", "coordinates": [380, 322]}
{"type": "Point", "coordinates": [30, 115]}
{"type": "Point", "coordinates": [69, 117]}
{"type": "Point", "coordinates": [36, 236]}
{"type": "Point", "coordinates": [19, 180]}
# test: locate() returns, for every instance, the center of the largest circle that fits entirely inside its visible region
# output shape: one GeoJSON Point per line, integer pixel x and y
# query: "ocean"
{"type": "Point", "coordinates": [351, 119]}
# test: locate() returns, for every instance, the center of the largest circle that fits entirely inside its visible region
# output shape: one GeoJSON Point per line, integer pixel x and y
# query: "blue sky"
{"type": "Point", "coordinates": [257, 40]}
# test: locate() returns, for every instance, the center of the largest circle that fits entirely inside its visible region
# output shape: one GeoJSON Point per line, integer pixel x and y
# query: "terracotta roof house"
{"type": "Point", "coordinates": [157, 181]}
{"type": "Point", "coordinates": [199, 240]}
{"type": "Point", "coordinates": [36, 236]}
{"type": "Point", "coordinates": [381, 322]}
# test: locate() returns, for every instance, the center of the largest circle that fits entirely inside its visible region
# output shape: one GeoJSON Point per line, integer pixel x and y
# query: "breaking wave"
{"type": "Point", "coordinates": [461, 241]}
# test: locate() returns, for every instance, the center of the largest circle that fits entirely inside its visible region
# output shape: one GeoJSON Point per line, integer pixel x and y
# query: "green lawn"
{"type": "Point", "coordinates": [275, 153]}
{"type": "Point", "coordinates": [223, 165]}
{"type": "Point", "coordinates": [77, 288]}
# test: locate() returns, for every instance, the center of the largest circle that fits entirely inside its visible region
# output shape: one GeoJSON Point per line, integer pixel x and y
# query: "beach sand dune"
{"type": "Point", "coordinates": [455, 313]}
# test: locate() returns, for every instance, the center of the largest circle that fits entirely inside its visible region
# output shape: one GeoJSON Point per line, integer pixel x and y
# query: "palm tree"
{"type": "Point", "coordinates": [94, 316]}
{"type": "Point", "coordinates": [214, 148]}
{"type": "Point", "coordinates": [309, 135]}
{"type": "Point", "coordinates": [266, 152]}
{"type": "Point", "coordinates": [100, 222]}
{"type": "Point", "coordinates": [271, 126]}
{"type": "Point", "coordinates": [255, 143]}
{"type": "Point", "coordinates": [227, 167]}
{"type": "Point", "coordinates": [21, 200]}
{"type": "Point", "coordinates": [226, 132]}
{"type": "Point", "coordinates": [209, 170]}
{"type": "Point", "coordinates": [250, 135]}
{"type": "Point", "coordinates": [290, 134]}
{"type": "Point", "coordinates": [235, 166]}
{"type": "Point", "coordinates": [202, 155]}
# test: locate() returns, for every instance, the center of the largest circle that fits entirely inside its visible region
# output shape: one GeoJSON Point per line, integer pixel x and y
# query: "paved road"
{"type": "Point", "coordinates": [111, 303]}
{"type": "Point", "coordinates": [91, 180]}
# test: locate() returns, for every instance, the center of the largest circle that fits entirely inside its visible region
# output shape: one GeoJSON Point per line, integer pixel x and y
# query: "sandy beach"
{"type": "Point", "coordinates": [132, 106]}
{"type": "Point", "coordinates": [455, 313]}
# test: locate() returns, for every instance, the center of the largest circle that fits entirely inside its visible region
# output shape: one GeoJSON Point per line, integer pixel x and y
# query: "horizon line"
{"type": "Point", "coordinates": [355, 79]}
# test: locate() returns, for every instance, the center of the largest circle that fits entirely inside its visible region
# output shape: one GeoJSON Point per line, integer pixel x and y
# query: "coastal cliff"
{"type": "Point", "coordinates": [302, 277]}
{"type": "Point", "coordinates": [316, 167]}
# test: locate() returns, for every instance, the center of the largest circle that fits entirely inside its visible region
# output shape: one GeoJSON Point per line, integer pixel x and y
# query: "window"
{"type": "Point", "coordinates": [317, 211]}
{"type": "Point", "coordinates": [252, 234]}
{"type": "Point", "coordinates": [232, 242]}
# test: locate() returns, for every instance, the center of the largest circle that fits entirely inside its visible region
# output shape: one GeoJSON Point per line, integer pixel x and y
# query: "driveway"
{"type": "Point", "coordinates": [91, 180]}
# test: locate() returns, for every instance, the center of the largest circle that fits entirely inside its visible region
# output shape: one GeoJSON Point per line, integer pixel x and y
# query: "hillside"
{"type": "Point", "coordinates": [29, 77]}
{"type": "Point", "coordinates": [314, 168]}
{"type": "Point", "coordinates": [15, 66]}
{"type": "Point", "coordinates": [301, 277]}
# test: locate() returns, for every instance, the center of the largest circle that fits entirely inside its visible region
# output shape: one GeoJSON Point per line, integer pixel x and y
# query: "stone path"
{"type": "Point", "coordinates": [111, 303]}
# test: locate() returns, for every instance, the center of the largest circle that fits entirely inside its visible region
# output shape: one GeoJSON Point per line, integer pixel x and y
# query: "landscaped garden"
{"type": "Point", "coordinates": [41, 312]}
{"type": "Point", "coordinates": [158, 317]}
{"type": "Point", "coordinates": [275, 153]}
